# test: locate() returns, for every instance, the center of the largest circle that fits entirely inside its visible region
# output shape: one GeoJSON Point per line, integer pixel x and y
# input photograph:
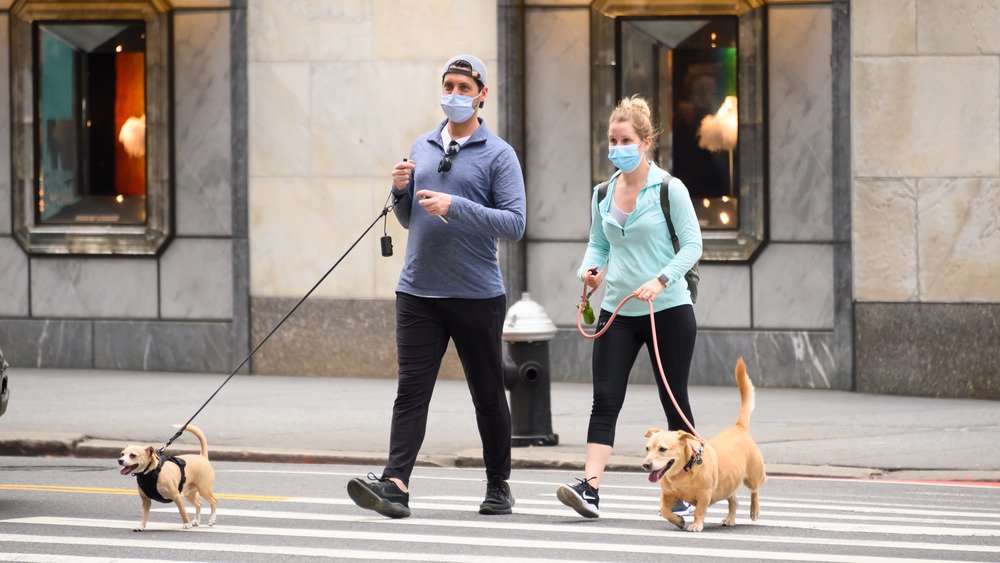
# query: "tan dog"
{"type": "Point", "coordinates": [171, 478]}
{"type": "Point", "coordinates": [728, 459]}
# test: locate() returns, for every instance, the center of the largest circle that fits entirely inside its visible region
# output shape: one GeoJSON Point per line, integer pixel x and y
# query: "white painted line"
{"type": "Point", "coordinates": [171, 545]}
{"type": "Point", "coordinates": [55, 557]}
{"type": "Point", "coordinates": [590, 530]}
{"type": "Point", "coordinates": [395, 536]}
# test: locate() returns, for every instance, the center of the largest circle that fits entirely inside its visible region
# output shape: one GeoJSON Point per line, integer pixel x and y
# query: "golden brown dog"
{"type": "Point", "coordinates": [728, 459]}
{"type": "Point", "coordinates": [171, 478]}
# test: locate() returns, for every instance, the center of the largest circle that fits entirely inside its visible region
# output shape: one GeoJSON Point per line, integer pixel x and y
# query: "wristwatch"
{"type": "Point", "coordinates": [662, 278]}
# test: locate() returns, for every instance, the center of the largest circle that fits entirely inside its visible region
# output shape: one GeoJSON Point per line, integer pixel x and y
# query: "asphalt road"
{"type": "Point", "coordinates": [58, 508]}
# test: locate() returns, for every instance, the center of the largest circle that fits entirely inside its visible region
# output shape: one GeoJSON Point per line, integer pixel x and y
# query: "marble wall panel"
{"type": "Point", "coordinates": [794, 359]}
{"type": "Point", "coordinates": [309, 30]}
{"type": "Point", "coordinates": [202, 292]}
{"type": "Point", "coordinates": [557, 110]}
{"type": "Point", "coordinates": [909, 119]}
{"type": "Point", "coordinates": [723, 296]}
{"type": "Point", "coordinates": [360, 125]}
{"type": "Point", "coordinates": [203, 123]}
{"type": "Point", "coordinates": [163, 346]}
{"type": "Point", "coordinates": [300, 227]}
{"type": "Point", "coordinates": [969, 27]}
{"type": "Point", "coordinates": [279, 111]}
{"type": "Point", "coordinates": [13, 279]}
{"type": "Point", "coordinates": [793, 287]}
{"type": "Point", "coordinates": [343, 337]}
{"type": "Point", "coordinates": [800, 196]}
{"type": "Point", "coordinates": [552, 280]}
{"type": "Point", "coordinates": [884, 27]}
{"type": "Point", "coordinates": [885, 240]}
{"type": "Point", "coordinates": [94, 288]}
{"type": "Point", "coordinates": [5, 172]}
{"type": "Point", "coordinates": [435, 29]}
{"type": "Point", "coordinates": [959, 239]}
{"type": "Point", "coordinates": [928, 349]}
{"type": "Point", "coordinates": [29, 343]}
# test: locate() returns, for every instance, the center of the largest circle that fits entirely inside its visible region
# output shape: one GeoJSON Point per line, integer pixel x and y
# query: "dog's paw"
{"type": "Point", "coordinates": [195, 523]}
{"type": "Point", "coordinates": [695, 527]}
{"type": "Point", "coordinates": [211, 522]}
{"type": "Point", "coordinates": [729, 522]}
{"type": "Point", "coordinates": [754, 513]}
{"type": "Point", "coordinates": [187, 525]}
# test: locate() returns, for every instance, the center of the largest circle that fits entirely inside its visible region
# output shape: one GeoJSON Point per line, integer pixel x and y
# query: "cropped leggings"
{"type": "Point", "coordinates": [615, 353]}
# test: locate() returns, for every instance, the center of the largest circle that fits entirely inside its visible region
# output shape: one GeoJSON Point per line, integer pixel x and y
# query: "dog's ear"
{"type": "Point", "coordinates": [652, 431]}
{"type": "Point", "coordinates": [686, 436]}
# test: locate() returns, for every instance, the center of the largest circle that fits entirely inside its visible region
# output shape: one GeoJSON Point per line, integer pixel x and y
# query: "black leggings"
{"type": "Point", "coordinates": [615, 353]}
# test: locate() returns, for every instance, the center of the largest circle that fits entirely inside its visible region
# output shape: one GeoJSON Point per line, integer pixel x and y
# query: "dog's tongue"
{"type": "Point", "coordinates": [125, 471]}
{"type": "Point", "coordinates": [657, 475]}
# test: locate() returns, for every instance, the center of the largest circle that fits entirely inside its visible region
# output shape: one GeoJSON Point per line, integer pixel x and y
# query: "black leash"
{"type": "Point", "coordinates": [384, 213]}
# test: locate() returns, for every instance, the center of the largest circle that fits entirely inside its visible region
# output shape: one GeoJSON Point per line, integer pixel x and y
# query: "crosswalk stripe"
{"type": "Point", "coordinates": [116, 491]}
{"type": "Point", "coordinates": [172, 546]}
{"type": "Point", "coordinates": [741, 519]}
{"type": "Point", "coordinates": [53, 557]}
{"type": "Point", "coordinates": [668, 531]}
{"type": "Point", "coordinates": [395, 536]}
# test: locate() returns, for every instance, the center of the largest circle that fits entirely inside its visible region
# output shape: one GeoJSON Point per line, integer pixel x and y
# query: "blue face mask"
{"type": "Point", "coordinates": [457, 107]}
{"type": "Point", "coordinates": [625, 157]}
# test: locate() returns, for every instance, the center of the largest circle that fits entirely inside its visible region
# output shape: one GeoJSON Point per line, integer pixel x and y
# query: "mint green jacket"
{"type": "Point", "coordinates": [640, 250]}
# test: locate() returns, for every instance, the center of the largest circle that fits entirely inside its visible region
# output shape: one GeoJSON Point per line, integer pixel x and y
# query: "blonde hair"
{"type": "Point", "coordinates": [635, 110]}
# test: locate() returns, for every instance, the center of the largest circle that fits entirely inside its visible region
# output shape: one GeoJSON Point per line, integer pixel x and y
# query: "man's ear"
{"type": "Point", "coordinates": [483, 93]}
{"type": "Point", "coordinates": [652, 431]}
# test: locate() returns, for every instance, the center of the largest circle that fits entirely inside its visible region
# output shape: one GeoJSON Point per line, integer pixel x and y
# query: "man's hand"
{"type": "Point", "coordinates": [401, 174]}
{"type": "Point", "coordinates": [435, 203]}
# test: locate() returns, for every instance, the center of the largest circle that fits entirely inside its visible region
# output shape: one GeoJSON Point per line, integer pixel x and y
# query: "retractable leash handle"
{"type": "Point", "coordinates": [385, 211]}
{"type": "Point", "coordinates": [656, 350]}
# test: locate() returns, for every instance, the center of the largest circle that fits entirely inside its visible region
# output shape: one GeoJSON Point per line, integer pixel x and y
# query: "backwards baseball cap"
{"type": "Point", "coordinates": [477, 73]}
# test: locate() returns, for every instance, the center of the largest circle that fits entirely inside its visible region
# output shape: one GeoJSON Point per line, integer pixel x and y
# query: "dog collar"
{"type": "Point", "coordinates": [695, 457]}
{"type": "Point", "coordinates": [147, 481]}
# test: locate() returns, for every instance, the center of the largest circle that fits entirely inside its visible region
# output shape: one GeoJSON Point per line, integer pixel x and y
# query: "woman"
{"type": "Point", "coordinates": [629, 235]}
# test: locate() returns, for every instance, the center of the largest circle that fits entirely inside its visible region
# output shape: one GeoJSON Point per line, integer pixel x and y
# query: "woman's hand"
{"type": "Point", "coordinates": [593, 277]}
{"type": "Point", "coordinates": [649, 290]}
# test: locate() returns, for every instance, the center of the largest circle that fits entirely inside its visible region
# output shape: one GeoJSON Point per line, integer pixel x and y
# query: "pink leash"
{"type": "Point", "coordinates": [656, 347]}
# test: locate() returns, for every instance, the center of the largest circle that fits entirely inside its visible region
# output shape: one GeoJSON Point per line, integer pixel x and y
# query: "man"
{"type": "Point", "coordinates": [459, 192]}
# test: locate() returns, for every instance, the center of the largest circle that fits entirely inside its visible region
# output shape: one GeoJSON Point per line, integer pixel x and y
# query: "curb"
{"type": "Point", "coordinates": [79, 446]}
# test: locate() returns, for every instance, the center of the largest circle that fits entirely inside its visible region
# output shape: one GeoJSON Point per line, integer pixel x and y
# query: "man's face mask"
{"type": "Point", "coordinates": [457, 107]}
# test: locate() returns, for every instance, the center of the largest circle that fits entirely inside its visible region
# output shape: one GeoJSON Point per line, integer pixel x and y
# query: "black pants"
{"type": "Point", "coordinates": [423, 328]}
{"type": "Point", "coordinates": [615, 354]}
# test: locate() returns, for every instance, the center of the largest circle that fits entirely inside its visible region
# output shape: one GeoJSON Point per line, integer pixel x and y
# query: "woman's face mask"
{"type": "Point", "coordinates": [625, 157]}
{"type": "Point", "coordinates": [457, 107]}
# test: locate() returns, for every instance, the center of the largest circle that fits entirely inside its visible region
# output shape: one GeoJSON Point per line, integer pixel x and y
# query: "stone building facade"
{"type": "Point", "coordinates": [868, 170]}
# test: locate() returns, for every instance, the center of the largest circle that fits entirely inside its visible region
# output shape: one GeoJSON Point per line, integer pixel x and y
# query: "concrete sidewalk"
{"type": "Point", "coordinates": [89, 413]}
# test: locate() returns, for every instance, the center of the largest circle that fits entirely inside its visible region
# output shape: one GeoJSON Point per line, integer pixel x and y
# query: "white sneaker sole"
{"type": "Point", "coordinates": [570, 498]}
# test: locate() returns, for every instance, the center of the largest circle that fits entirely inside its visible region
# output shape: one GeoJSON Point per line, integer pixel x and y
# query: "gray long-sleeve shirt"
{"type": "Point", "coordinates": [459, 259]}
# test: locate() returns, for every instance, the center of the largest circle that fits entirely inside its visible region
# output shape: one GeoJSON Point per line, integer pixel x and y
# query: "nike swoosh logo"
{"type": "Point", "coordinates": [588, 497]}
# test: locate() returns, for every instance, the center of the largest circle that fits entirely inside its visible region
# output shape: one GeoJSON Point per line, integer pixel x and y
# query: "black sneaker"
{"type": "Point", "coordinates": [582, 498]}
{"type": "Point", "coordinates": [498, 498]}
{"type": "Point", "coordinates": [379, 494]}
{"type": "Point", "coordinates": [682, 508]}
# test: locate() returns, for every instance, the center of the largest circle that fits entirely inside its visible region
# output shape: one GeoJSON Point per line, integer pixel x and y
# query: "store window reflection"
{"type": "Point", "coordinates": [90, 129]}
{"type": "Point", "coordinates": [688, 68]}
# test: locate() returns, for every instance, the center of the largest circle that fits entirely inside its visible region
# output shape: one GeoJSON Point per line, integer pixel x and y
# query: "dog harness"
{"type": "Point", "coordinates": [147, 481]}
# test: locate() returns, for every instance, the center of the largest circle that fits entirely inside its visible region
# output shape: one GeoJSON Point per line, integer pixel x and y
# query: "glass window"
{"type": "Point", "coordinates": [90, 130]}
{"type": "Point", "coordinates": [91, 123]}
{"type": "Point", "coordinates": [687, 69]}
{"type": "Point", "coordinates": [699, 65]}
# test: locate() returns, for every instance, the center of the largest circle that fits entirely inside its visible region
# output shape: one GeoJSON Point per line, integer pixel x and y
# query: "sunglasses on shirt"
{"type": "Point", "coordinates": [445, 164]}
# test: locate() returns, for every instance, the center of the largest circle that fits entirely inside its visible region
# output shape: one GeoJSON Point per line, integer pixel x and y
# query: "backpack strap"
{"type": "Point", "coordinates": [665, 205]}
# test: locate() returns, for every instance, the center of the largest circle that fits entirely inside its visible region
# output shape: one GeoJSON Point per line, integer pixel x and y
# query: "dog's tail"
{"type": "Point", "coordinates": [201, 439]}
{"type": "Point", "coordinates": [747, 395]}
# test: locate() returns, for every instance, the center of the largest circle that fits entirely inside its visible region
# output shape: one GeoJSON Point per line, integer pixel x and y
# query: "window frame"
{"type": "Point", "coordinates": [96, 239]}
{"type": "Point", "coordinates": [730, 245]}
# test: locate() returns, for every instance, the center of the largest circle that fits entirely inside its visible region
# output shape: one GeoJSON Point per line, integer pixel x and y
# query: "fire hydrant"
{"type": "Point", "coordinates": [527, 331]}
